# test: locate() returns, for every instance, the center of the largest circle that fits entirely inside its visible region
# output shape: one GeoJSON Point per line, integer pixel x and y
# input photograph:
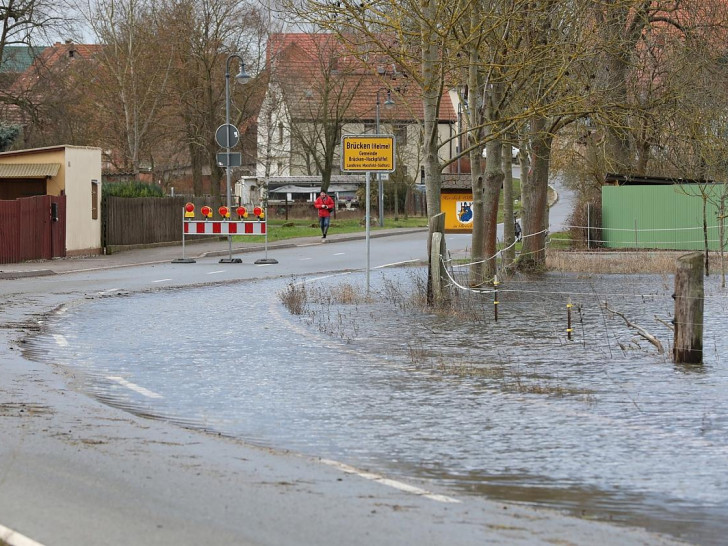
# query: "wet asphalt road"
{"type": "Point", "coordinates": [74, 471]}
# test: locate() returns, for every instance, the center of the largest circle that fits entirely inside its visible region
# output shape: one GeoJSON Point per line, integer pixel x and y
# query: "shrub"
{"type": "Point", "coordinates": [132, 189]}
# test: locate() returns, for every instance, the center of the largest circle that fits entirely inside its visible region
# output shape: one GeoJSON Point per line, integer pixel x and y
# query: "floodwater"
{"type": "Point", "coordinates": [602, 425]}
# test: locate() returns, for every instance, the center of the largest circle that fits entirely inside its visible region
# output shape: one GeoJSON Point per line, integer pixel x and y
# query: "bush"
{"type": "Point", "coordinates": [132, 189]}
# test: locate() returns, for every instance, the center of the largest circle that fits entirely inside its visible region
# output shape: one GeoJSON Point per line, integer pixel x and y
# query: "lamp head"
{"type": "Point", "coordinates": [389, 103]}
{"type": "Point", "coordinates": [242, 76]}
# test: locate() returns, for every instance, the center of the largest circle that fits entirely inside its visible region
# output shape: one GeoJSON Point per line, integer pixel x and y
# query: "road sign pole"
{"type": "Point", "coordinates": [367, 153]}
{"type": "Point", "coordinates": [368, 223]}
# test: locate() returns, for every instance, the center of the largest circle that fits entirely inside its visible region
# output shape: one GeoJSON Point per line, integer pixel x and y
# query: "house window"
{"type": "Point", "coordinates": [400, 134]}
{"type": "Point", "coordinates": [94, 199]}
{"type": "Point", "coordinates": [280, 133]}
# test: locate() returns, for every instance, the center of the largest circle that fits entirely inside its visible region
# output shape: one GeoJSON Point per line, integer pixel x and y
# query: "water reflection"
{"type": "Point", "coordinates": [601, 425]}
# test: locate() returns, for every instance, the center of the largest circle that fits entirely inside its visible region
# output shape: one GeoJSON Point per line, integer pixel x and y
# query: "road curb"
{"type": "Point", "coordinates": [21, 274]}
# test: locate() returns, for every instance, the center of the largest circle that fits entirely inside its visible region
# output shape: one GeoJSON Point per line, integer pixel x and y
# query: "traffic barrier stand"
{"type": "Point", "coordinates": [190, 226]}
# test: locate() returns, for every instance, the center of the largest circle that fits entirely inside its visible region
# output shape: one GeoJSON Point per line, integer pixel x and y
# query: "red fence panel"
{"type": "Point", "coordinates": [27, 231]}
{"type": "Point", "coordinates": [58, 227]}
{"type": "Point", "coordinates": [9, 232]}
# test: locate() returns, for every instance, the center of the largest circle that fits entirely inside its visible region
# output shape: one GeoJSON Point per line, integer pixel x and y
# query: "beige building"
{"type": "Point", "coordinates": [71, 171]}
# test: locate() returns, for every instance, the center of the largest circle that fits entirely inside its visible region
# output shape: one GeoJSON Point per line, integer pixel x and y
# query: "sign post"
{"type": "Point", "coordinates": [367, 153]}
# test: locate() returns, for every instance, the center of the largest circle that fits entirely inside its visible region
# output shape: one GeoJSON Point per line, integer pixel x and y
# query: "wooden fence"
{"type": "Point", "coordinates": [32, 228]}
{"type": "Point", "coordinates": [140, 221]}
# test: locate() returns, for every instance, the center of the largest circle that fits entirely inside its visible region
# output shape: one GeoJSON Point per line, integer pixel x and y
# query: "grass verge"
{"type": "Point", "coordinates": [279, 230]}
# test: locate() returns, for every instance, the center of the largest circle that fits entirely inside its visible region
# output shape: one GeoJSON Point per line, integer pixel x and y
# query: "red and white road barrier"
{"type": "Point", "coordinates": [190, 226]}
{"type": "Point", "coordinates": [196, 227]}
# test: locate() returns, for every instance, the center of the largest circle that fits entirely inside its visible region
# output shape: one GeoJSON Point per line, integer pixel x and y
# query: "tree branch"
{"type": "Point", "coordinates": [641, 331]}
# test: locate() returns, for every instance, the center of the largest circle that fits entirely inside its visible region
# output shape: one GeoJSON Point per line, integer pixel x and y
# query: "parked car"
{"type": "Point", "coordinates": [515, 153]}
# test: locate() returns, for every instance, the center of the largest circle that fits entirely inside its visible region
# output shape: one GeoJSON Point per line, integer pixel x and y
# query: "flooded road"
{"type": "Point", "coordinates": [601, 425]}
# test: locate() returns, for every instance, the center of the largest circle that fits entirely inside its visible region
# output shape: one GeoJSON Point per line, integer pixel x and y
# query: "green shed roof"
{"type": "Point", "coordinates": [18, 58]}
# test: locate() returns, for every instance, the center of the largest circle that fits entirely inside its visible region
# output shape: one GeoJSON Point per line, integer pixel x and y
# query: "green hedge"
{"type": "Point", "coordinates": [132, 189]}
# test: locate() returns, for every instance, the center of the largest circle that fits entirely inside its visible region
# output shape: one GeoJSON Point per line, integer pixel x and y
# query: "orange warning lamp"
{"type": "Point", "coordinates": [242, 212]}
{"type": "Point", "coordinates": [206, 212]}
{"type": "Point", "coordinates": [189, 210]}
{"type": "Point", "coordinates": [224, 211]}
{"type": "Point", "coordinates": [258, 212]}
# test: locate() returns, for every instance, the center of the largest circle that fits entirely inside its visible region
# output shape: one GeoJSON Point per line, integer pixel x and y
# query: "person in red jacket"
{"type": "Point", "coordinates": [325, 205]}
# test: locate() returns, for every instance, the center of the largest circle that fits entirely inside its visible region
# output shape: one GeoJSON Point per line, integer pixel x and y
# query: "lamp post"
{"type": "Point", "coordinates": [388, 103]}
{"type": "Point", "coordinates": [241, 77]}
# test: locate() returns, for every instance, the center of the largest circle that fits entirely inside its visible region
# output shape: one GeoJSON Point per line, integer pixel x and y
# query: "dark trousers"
{"type": "Point", "coordinates": [324, 222]}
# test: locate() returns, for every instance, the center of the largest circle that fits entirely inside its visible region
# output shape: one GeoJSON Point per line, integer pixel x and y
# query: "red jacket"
{"type": "Point", "coordinates": [324, 206]}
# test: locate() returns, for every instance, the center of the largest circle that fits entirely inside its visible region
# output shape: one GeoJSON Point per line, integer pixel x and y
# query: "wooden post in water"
{"type": "Point", "coordinates": [688, 342]}
{"type": "Point", "coordinates": [436, 248]}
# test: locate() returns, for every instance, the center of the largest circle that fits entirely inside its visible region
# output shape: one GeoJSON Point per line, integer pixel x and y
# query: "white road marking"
{"type": "Point", "coordinates": [162, 280]}
{"type": "Point", "coordinates": [61, 340]}
{"type": "Point", "coordinates": [395, 263]}
{"type": "Point", "coordinates": [339, 253]}
{"type": "Point", "coordinates": [264, 265]}
{"type": "Point", "coordinates": [305, 259]}
{"type": "Point", "coordinates": [314, 279]}
{"type": "Point", "coordinates": [13, 538]}
{"type": "Point", "coordinates": [388, 482]}
{"type": "Point", "coordinates": [215, 272]}
{"type": "Point", "coordinates": [136, 388]}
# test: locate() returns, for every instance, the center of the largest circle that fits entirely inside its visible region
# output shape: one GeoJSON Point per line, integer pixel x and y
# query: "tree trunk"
{"type": "Point", "coordinates": [705, 233]}
{"type": "Point", "coordinates": [216, 174]}
{"type": "Point", "coordinates": [477, 266]}
{"type": "Point", "coordinates": [509, 218]}
{"type": "Point", "coordinates": [430, 103]}
{"type": "Point", "coordinates": [535, 198]}
{"type": "Point", "coordinates": [491, 194]}
{"type": "Point", "coordinates": [197, 188]}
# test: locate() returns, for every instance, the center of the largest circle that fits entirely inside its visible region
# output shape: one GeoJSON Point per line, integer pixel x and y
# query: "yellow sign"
{"type": "Point", "coordinates": [458, 209]}
{"type": "Point", "coordinates": [367, 153]}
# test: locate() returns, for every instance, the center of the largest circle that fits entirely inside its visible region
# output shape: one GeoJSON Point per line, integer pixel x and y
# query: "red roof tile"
{"type": "Point", "coordinates": [52, 57]}
{"type": "Point", "coordinates": [309, 64]}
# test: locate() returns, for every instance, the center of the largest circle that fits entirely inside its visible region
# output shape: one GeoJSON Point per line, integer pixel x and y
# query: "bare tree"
{"type": "Point", "coordinates": [133, 78]}
{"type": "Point", "coordinates": [27, 23]}
{"type": "Point", "coordinates": [202, 36]}
{"type": "Point", "coordinates": [26, 26]}
{"type": "Point", "coordinates": [318, 82]}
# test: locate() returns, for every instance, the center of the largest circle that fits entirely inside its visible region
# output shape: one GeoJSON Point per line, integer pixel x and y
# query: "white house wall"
{"type": "Point", "coordinates": [79, 166]}
{"type": "Point", "coordinates": [272, 150]}
{"type": "Point", "coordinates": [292, 164]}
{"type": "Point", "coordinates": [82, 166]}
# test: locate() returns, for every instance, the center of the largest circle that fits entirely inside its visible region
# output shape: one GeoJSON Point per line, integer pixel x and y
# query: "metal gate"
{"type": "Point", "coordinates": [32, 228]}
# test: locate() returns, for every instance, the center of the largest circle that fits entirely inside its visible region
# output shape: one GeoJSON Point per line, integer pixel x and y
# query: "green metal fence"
{"type": "Point", "coordinates": [660, 216]}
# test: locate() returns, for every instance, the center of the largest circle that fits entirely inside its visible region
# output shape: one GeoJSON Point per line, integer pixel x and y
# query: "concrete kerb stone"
{"type": "Point", "coordinates": [9, 275]}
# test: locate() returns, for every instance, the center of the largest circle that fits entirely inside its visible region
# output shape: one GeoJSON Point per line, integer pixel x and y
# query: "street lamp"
{"type": "Point", "coordinates": [388, 103]}
{"type": "Point", "coordinates": [241, 77]}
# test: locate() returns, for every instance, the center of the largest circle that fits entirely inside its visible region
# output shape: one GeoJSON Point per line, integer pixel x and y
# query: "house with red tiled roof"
{"type": "Point", "coordinates": [33, 87]}
{"type": "Point", "coordinates": [56, 57]}
{"type": "Point", "coordinates": [319, 91]}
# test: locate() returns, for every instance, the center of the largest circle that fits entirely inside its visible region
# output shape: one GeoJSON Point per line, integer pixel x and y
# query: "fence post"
{"type": "Point", "coordinates": [688, 341]}
{"type": "Point", "coordinates": [435, 249]}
